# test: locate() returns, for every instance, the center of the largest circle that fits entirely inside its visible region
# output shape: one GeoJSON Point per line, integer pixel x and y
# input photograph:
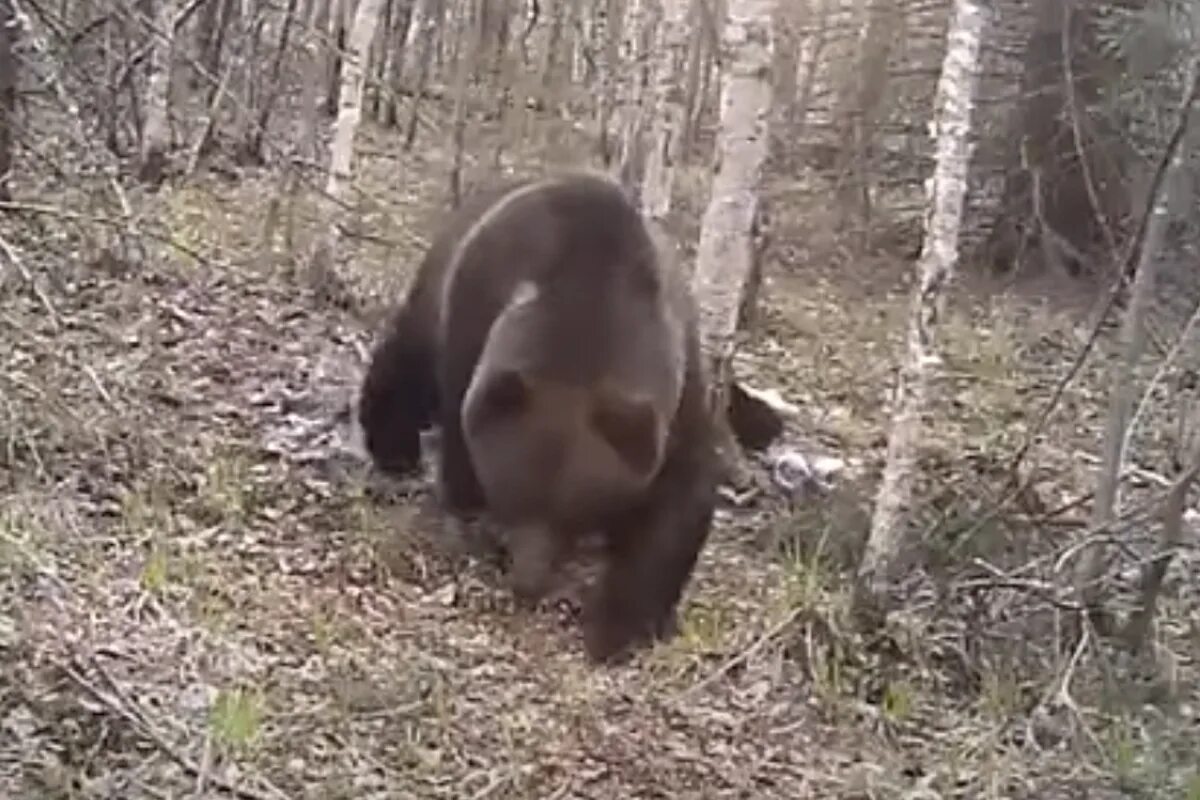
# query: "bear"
{"type": "Point", "coordinates": [556, 347]}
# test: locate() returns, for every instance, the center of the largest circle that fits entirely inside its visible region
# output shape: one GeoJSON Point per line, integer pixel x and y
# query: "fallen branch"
{"type": "Point", "coordinates": [119, 702]}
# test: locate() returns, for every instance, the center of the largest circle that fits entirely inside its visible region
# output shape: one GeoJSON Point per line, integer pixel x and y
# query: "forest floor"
{"type": "Point", "coordinates": [202, 594]}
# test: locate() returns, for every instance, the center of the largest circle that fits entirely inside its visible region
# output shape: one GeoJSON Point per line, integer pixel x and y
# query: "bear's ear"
{"type": "Point", "coordinates": [506, 394]}
{"type": "Point", "coordinates": [630, 427]}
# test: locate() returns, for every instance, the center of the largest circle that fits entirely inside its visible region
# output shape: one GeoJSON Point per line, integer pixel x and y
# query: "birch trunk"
{"type": "Point", "coordinates": [257, 134]}
{"type": "Point", "coordinates": [470, 50]}
{"type": "Point", "coordinates": [422, 26]}
{"type": "Point", "coordinates": [939, 256]}
{"type": "Point", "coordinates": [8, 95]}
{"type": "Point", "coordinates": [609, 79]}
{"type": "Point", "coordinates": [315, 55]}
{"type": "Point", "coordinates": [725, 256]}
{"type": "Point", "coordinates": [668, 112]}
{"type": "Point", "coordinates": [636, 18]}
{"type": "Point", "coordinates": [156, 135]}
{"type": "Point", "coordinates": [341, 150]}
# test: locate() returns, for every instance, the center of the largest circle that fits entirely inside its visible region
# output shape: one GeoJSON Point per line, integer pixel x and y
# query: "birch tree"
{"type": "Point", "coordinates": [341, 150]}
{"type": "Point", "coordinates": [638, 17]}
{"type": "Point", "coordinates": [8, 95]}
{"type": "Point", "coordinates": [946, 195]}
{"type": "Point", "coordinates": [609, 81]}
{"type": "Point", "coordinates": [156, 133]}
{"type": "Point", "coordinates": [469, 51]}
{"type": "Point", "coordinates": [667, 112]}
{"type": "Point", "coordinates": [726, 253]}
{"type": "Point", "coordinates": [314, 56]}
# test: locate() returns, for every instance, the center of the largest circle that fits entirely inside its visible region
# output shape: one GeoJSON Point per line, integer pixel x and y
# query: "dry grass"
{"type": "Point", "coordinates": [202, 595]}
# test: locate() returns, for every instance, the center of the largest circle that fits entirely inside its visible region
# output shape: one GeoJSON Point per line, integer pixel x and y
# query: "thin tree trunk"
{"type": "Point", "coordinates": [8, 95]}
{"type": "Point", "coordinates": [395, 72]}
{"type": "Point", "coordinates": [381, 52]}
{"type": "Point", "coordinates": [809, 64]}
{"type": "Point", "coordinates": [337, 42]}
{"type": "Point", "coordinates": [468, 54]}
{"type": "Point", "coordinates": [1155, 571]}
{"type": "Point", "coordinates": [691, 82]}
{"type": "Point", "coordinates": [671, 46]}
{"type": "Point", "coordinates": [1132, 337]}
{"type": "Point", "coordinates": [341, 150]}
{"type": "Point", "coordinates": [725, 256]}
{"type": "Point", "coordinates": [317, 54]}
{"type": "Point", "coordinates": [156, 133]}
{"type": "Point", "coordinates": [939, 256]}
{"type": "Point", "coordinates": [255, 136]}
{"type": "Point", "coordinates": [639, 19]}
{"type": "Point", "coordinates": [610, 80]}
{"type": "Point", "coordinates": [423, 58]}
{"type": "Point", "coordinates": [418, 42]}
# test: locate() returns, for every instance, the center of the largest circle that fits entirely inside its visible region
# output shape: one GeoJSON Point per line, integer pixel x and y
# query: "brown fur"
{"type": "Point", "coordinates": [560, 357]}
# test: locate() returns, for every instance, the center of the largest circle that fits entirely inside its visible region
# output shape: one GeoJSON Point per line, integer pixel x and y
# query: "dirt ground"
{"type": "Point", "coordinates": [203, 593]}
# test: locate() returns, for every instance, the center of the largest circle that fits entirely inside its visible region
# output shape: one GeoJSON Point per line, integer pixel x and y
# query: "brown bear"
{"type": "Point", "coordinates": [559, 355]}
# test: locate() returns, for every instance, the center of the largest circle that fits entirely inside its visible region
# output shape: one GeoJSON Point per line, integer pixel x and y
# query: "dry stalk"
{"type": "Point", "coordinates": [119, 702]}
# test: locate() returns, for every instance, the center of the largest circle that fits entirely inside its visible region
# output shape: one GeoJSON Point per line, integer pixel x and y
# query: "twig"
{"type": "Point", "coordinates": [75, 216]}
{"type": "Point", "coordinates": [495, 783]}
{"type": "Point", "coordinates": [744, 655]}
{"type": "Point", "coordinates": [1166, 363]}
{"type": "Point", "coordinates": [205, 761]}
{"type": "Point", "coordinates": [1132, 472]}
{"type": "Point", "coordinates": [1062, 694]}
{"type": "Point", "coordinates": [1043, 589]}
{"type": "Point", "coordinates": [117, 701]}
{"type": "Point", "coordinates": [1127, 263]}
{"type": "Point", "coordinates": [10, 254]}
{"type": "Point", "coordinates": [1085, 168]}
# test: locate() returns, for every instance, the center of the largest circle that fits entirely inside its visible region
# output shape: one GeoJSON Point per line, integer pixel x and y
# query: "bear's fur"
{"type": "Point", "coordinates": [560, 357]}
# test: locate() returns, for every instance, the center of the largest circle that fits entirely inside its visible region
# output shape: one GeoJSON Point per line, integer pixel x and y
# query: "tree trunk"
{"type": "Point", "coordinates": [469, 54]}
{"type": "Point", "coordinates": [8, 95]}
{"type": "Point", "coordinates": [337, 42]}
{"type": "Point", "coordinates": [316, 55]}
{"type": "Point", "coordinates": [341, 150]}
{"type": "Point", "coordinates": [432, 12]}
{"type": "Point", "coordinates": [156, 133]}
{"type": "Point", "coordinates": [861, 103]}
{"type": "Point", "coordinates": [697, 46]}
{"type": "Point", "coordinates": [1132, 338]}
{"type": "Point", "coordinates": [808, 64]}
{"type": "Point", "coordinates": [667, 114]}
{"type": "Point", "coordinates": [725, 256]}
{"type": "Point", "coordinates": [257, 133]}
{"type": "Point", "coordinates": [639, 17]}
{"type": "Point", "coordinates": [996, 163]}
{"type": "Point", "coordinates": [395, 70]}
{"type": "Point", "coordinates": [610, 79]}
{"type": "Point", "coordinates": [939, 255]}
{"type": "Point", "coordinates": [418, 42]}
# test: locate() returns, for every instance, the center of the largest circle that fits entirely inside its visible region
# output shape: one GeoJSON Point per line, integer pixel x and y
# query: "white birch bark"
{"type": "Point", "coordinates": [609, 79]}
{"type": "Point", "coordinates": [156, 134]}
{"type": "Point", "coordinates": [341, 150]}
{"type": "Point", "coordinates": [421, 24]}
{"type": "Point", "coordinates": [315, 54]}
{"type": "Point", "coordinates": [8, 95]}
{"type": "Point", "coordinates": [725, 256]}
{"type": "Point", "coordinates": [946, 192]}
{"type": "Point", "coordinates": [630, 93]}
{"type": "Point", "coordinates": [670, 54]}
